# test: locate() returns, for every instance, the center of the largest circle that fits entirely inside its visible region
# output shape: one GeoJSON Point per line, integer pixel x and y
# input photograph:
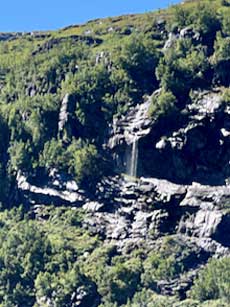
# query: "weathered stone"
{"type": "Point", "coordinates": [48, 195]}
{"type": "Point", "coordinates": [93, 206]}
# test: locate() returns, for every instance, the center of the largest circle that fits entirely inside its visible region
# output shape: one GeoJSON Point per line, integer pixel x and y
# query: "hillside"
{"type": "Point", "coordinates": [114, 161]}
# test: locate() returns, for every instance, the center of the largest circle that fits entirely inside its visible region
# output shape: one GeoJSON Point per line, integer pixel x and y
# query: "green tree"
{"type": "Point", "coordinates": [21, 258]}
{"type": "Point", "coordinates": [213, 281]}
{"type": "Point", "coordinates": [20, 156]}
{"type": "Point", "coordinates": [182, 68]}
{"type": "Point", "coordinates": [87, 165]}
{"type": "Point", "coordinates": [163, 105]}
{"type": "Point", "coordinates": [139, 58]}
{"type": "Point", "coordinates": [54, 155]}
{"type": "Point", "coordinates": [221, 59]}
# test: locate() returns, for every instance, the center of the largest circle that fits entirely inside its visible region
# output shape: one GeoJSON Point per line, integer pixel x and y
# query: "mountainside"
{"type": "Point", "coordinates": [115, 161]}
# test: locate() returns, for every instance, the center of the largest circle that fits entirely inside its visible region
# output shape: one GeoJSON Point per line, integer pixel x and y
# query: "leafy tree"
{"type": "Point", "coordinates": [21, 257]}
{"type": "Point", "coordinates": [213, 281]}
{"type": "Point", "coordinates": [163, 105]}
{"type": "Point", "coordinates": [139, 58]}
{"type": "Point", "coordinates": [87, 165]}
{"type": "Point", "coordinates": [182, 68]}
{"type": "Point", "coordinates": [20, 156]}
{"type": "Point", "coordinates": [54, 155]}
{"type": "Point", "coordinates": [221, 59]}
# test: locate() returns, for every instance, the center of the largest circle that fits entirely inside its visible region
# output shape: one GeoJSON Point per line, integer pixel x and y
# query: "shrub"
{"type": "Point", "coordinates": [221, 59]}
{"type": "Point", "coordinates": [226, 23]}
{"type": "Point", "coordinates": [145, 298]}
{"type": "Point", "coordinates": [87, 165]}
{"type": "Point", "coordinates": [205, 18]}
{"type": "Point", "coordinates": [68, 284]}
{"type": "Point", "coordinates": [162, 105]}
{"type": "Point", "coordinates": [20, 156]}
{"type": "Point", "coordinates": [182, 68]}
{"type": "Point", "coordinates": [213, 281]}
{"type": "Point", "coordinates": [54, 155]}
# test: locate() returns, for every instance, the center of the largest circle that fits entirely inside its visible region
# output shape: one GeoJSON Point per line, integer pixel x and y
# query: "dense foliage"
{"type": "Point", "coordinates": [213, 281]}
{"type": "Point", "coordinates": [59, 92]}
{"type": "Point", "coordinates": [102, 79]}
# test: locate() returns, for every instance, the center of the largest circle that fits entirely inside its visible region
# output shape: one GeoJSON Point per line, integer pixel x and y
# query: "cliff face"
{"type": "Point", "coordinates": [114, 162]}
{"type": "Point", "coordinates": [181, 190]}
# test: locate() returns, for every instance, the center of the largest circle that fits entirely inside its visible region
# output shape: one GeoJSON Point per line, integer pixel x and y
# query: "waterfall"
{"type": "Point", "coordinates": [134, 158]}
{"type": "Point", "coordinates": [127, 130]}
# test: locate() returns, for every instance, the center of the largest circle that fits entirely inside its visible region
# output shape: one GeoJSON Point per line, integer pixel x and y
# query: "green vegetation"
{"type": "Point", "coordinates": [213, 281]}
{"type": "Point", "coordinates": [163, 105]}
{"type": "Point", "coordinates": [104, 67]}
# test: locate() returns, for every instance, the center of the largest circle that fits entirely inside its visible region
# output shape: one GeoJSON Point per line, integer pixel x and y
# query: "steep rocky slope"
{"type": "Point", "coordinates": [114, 161]}
{"type": "Point", "coordinates": [184, 194]}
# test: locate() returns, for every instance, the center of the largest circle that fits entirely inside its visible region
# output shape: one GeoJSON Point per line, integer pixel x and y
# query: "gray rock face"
{"type": "Point", "coordinates": [63, 115]}
{"type": "Point", "coordinates": [64, 193]}
{"type": "Point", "coordinates": [140, 213]}
{"type": "Point", "coordinates": [135, 123]}
{"type": "Point", "coordinates": [149, 208]}
{"type": "Point", "coordinates": [172, 38]}
{"type": "Point", "coordinates": [83, 296]}
{"type": "Point", "coordinates": [66, 110]}
{"type": "Point", "coordinates": [196, 148]}
{"type": "Point", "coordinates": [125, 133]}
{"type": "Point", "coordinates": [183, 190]}
{"type": "Point", "coordinates": [187, 32]}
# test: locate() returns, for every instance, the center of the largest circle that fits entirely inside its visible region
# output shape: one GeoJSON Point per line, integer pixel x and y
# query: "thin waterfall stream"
{"type": "Point", "coordinates": [129, 130]}
{"type": "Point", "coordinates": [134, 158]}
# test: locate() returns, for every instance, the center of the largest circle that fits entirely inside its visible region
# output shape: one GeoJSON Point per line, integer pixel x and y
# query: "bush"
{"type": "Point", "coordinates": [68, 284]}
{"type": "Point", "coordinates": [213, 281]}
{"type": "Point", "coordinates": [87, 165]}
{"type": "Point", "coordinates": [180, 17]}
{"type": "Point", "coordinates": [167, 262]}
{"type": "Point", "coordinates": [182, 68]}
{"type": "Point", "coordinates": [226, 23]}
{"type": "Point", "coordinates": [162, 105]}
{"type": "Point", "coordinates": [54, 155]}
{"type": "Point", "coordinates": [20, 156]}
{"type": "Point", "coordinates": [145, 298]}
{"type": "Point", "coordinates": [117, 277]}
{"type": "Point", "coordinates": [139, 58]}
{"type": "Point", "coordinates": [221, 60]}
{"type": "Point", "coordinates": [205, 19]}
{"type": "Point", "coordinates": [226, 96]}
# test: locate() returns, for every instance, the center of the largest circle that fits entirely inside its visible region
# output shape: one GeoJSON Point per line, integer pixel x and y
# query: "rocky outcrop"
{"type": "Point", "coordinates": [63, 115]}
{"type": "Point", "coordinates": [135, 123]}
{"type": "Point", "coordinates": [196, 148]}
{"type": "Point", "coordinates": [187, 32]}
{"type": "Point", "coordinates": [84, 296]}
{"type": "Point", "coordinates": [183, 190]}
{"type": "Point", "coordinates": [149, 208]}
{"type": "Point", "coordinates": [66, 122]}
{"type": "Point", "coordinates": [51, 43]}
{"type": "Point", "coordinates": [135, 214]}
{"type": "Point", "coordinates": [140, 213]}
{"type": "Point", "coordinates": [56, 192]}
{"type": "Point", "coordinates": [125, 133]}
